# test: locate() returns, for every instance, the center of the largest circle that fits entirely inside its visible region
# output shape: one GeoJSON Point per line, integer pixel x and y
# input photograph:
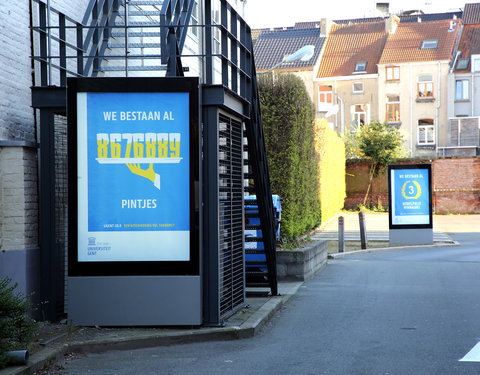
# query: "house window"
{"type": "Point", "coordinates": [462, 64]}
{"type": "Point", "coordinates": [426, 132]}
{"type": "Point", "coordinates": [359, 116]}
{"type": "Point", "coordinates": [393, 73]}
{"type": "Point", "coordinates": [425, 86]}
{"type": "Point", "coordinates": [357, 87]}
{"type": "Point", "coordinates": [325, 94]}
{"type": "Point", "coordinates": [430, 44]}
{"type": "Point", "coordinates": [461, 89]}
{"type": "Point", "coordinates": [393, 108]}
{"type": "Point", "coordinates": [194, 19]}
{"type": "Point", "coordinates": [476, 64]}
{"type": "Point", "coordinates": [360, 67]}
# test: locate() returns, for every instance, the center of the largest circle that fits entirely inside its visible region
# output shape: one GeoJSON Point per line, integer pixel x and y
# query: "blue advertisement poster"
{"type": "Point", "coordinates": [133, 171]}
{"type": "Point", "coordinates": [410, 196]}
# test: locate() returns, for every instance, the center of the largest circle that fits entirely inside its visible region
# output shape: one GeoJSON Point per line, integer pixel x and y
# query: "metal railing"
{"type": "Point", "coordinates": [65, 47]}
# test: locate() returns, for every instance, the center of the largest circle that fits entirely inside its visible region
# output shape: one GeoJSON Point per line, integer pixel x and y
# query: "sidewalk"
{"type": "Point", "coordinates": [377, 227]}
{"type": "Point", "coordinates": [243, 324]}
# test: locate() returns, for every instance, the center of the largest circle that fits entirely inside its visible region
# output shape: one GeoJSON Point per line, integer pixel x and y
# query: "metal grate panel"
{"type": "Point", "coordinates": [232, 280]}
{"type": "Point", "coordinates": [61, 199]}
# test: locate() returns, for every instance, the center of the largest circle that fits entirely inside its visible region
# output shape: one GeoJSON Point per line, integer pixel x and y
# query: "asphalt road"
{"type": "Point", "coordinates": [407, 312]}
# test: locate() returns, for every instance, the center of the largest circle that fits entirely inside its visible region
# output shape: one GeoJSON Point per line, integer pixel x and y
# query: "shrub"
{"type": "Point", "coordinates": [16, 328]}
{"type": "Point", "coordinates": [287, 114]}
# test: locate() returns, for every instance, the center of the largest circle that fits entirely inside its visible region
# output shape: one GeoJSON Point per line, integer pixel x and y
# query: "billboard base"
{"type": "Point", "coordinates": [420, 236]}
{"type": "Point", "coordinates": [134, 300]}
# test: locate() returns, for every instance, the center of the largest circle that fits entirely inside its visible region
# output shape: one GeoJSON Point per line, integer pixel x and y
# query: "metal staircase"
{"type": "Point", "coordinates": [130, 38]}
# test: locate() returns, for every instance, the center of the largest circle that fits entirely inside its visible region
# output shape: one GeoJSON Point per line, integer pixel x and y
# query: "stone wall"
{"type": "Point", "coordinates": [301, 264]}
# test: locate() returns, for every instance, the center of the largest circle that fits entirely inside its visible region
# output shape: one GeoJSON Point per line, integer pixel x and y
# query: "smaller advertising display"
{"type": "Point", "coordinates": [410, 195]}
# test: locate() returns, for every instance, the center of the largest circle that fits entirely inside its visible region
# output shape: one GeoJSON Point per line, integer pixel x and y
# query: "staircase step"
{"type": "Point", "coordinates": [134, 45]}
{"type": "Point", "coordinates": [254, 251]}
{"type": "Point", "coordinates": [136, 34]}
{"type": "Point", "coordinates": [138, 13]}
{"type": "Point", "coordinates": [256, 263]}
{"type": "Point", "coordinates": [142, 2]}
{"type": "Point", "coordinates": [134, 68]}
{"type": "Point", "coordinates": [138, 24]}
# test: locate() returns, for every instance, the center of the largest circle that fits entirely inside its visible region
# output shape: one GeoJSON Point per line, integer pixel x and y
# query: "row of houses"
{"type": "Point", "coordinates": [418, 72]}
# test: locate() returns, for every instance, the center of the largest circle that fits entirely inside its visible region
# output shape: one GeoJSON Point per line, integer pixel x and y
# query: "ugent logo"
{"type": "Point", "coordinates": [134, 149]}
{"type": "Point", "coordinates": [409, 188]}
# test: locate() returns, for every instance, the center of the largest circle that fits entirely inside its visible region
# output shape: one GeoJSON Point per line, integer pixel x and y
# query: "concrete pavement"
{"type": "Point", "coordinates": [245, 323]}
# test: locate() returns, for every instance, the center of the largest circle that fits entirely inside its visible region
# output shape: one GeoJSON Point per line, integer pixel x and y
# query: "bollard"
{"type": "Point", "coordinates": [363, 231]}
{"type": "Point", "coordinates": [341, 234]}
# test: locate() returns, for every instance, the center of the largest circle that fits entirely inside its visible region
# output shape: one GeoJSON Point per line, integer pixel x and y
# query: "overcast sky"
{"type": "Point", "coordinates": [274, 13]}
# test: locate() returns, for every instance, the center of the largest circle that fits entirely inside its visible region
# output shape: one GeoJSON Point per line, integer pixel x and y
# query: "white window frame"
{"type": "Point", "coordinates": [425, 82]}
{"type": "Point", "coordinates": [462, 89]}
{"type": "Point", "coordinates": [392, 73]}
{"type": "Point", "coordinates": [395, 103]}
{"type": "Point", "coordinates": [360, 67]}
{"type": "Point", "coordinates": [430, 44]}
{"type": "Point", "coordinates": [429, 135]}
{"type": "Point", "coordinates": [475, 63]}
{"type": "Point", "coordinates": [357, 91]}
{"type": "Point", "coordinates": [194, 20]}
{"type": "Point", "coordinates": [324, 104]}
{"type": "Point", "coordinates": [357, 116]}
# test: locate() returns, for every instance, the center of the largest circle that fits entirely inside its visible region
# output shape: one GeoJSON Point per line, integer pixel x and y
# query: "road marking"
{"type": "Point", "coordinates": [473, 355]}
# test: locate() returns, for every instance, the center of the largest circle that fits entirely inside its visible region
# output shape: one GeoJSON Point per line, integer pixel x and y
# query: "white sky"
{"type": "Point", "coordinates": [275, 13]}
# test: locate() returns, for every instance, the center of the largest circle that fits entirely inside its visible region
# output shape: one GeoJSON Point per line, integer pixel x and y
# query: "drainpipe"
{"type": "Point", "coordinates": [437, 107]}
{"type": "Point", "coordinates": [473, 95]}
{"type": "Point", "coordinates": [412, 95]}
{"type": "Point", "coordinates": [342, 115]}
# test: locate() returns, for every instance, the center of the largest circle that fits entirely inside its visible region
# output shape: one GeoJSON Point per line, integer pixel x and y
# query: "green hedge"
{"type": "Point", "coordinates": [287, 114]}
{"type": "Point", "coordinates": [331, 151]}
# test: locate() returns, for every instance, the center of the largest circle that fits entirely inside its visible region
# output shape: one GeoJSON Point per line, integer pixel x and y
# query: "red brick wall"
{"type": "Point", "coordinates": [456, 185]}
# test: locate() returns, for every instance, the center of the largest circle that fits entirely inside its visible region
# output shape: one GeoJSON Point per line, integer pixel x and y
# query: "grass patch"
{"type": "Point", "coordinates": [332, 246]}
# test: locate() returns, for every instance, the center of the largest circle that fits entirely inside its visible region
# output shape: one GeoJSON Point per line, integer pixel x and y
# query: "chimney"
{"type": "Point", "coordinates": [325, 26]}
{"type": "Point", "coordinates": [391, 24]}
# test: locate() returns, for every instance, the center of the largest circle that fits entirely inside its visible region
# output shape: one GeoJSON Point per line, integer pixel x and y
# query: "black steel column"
{"type": "Point", "coordinates": [211, 263]}
{"type": "Point", "coordinates": [51, 273]}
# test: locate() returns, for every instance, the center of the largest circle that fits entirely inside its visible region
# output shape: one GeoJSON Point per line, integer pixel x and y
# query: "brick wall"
{"type": "Point", "coordinates": [18, 198]}
{"type": "Point", "coordinates": [456, 185]}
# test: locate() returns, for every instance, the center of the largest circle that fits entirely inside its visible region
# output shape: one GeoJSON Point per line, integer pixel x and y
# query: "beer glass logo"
{"type": "Point", "coordinates": [135, 149]}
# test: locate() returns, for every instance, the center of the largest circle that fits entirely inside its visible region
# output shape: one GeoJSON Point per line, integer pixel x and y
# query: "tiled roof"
{"type": "Point", "coordinates": [360, 20]}
{"type": "Point", "coordinates": [469, 43]}
{"type": "Point", "coordinates": [307, 25]}
{"type": "Point", "coordinates": [271, 47]}
{"type": "Point", "coordinates": [349, 44]}
{"type": "Point", "coordinates": [432, 17]}
{"type": "Point", "coordinates": [407, 18]}
{"type": "Point", "coordinates": [405, 44]}
{"type": "Point", "coordinates": [471, 14]}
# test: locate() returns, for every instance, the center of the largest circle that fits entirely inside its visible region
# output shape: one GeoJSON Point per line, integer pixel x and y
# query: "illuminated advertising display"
{"type": "Point", "coordinates": [410, 196]}
{"type": "Point", "coordinates": [135, 172]}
